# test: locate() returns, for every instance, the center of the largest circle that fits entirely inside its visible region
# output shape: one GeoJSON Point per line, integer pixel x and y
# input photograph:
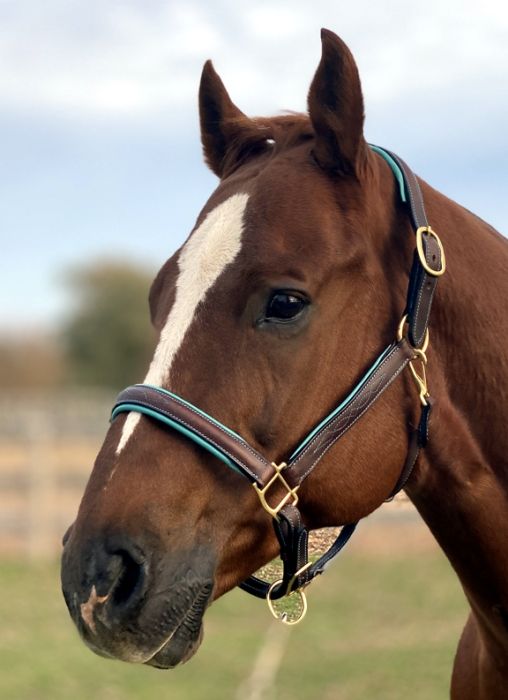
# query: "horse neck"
{"type": "Point", "coordinates": [469, 324]}
{"type": "Point", "coordinates": [461, 484]}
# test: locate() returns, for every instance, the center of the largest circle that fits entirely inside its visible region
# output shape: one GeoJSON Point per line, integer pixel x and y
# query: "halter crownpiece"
{"type": "Point", "coordinates": [270, 479]}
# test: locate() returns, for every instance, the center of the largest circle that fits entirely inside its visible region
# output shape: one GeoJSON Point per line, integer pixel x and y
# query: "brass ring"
{"type": "Point", "coordinates": [419, 247]}
{"type": "Point", "coordinates": [400, 335]}
{"type": "Point", "coordinates": [284, 617]}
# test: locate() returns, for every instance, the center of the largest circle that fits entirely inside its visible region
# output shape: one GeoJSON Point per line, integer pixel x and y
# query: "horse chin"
{"type": "Point", "coordinates": [178, 650]}
{"type": "Point", "coordinates": [177, 647]}
{"type": "Point", "coordinates": [185, 640]}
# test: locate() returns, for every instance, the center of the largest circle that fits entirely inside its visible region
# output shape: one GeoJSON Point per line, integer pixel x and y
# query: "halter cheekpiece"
{"type": "Point", "coordinates": [277, 484]}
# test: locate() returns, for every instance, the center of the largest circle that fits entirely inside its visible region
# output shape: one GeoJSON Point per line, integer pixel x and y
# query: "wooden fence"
{"type": "Point", "coordinates": [47, 447]}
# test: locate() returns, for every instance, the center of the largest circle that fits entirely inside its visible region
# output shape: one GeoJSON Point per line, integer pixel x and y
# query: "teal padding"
{"type": "Point", "coordinates": [348, 398]}
{"type": "Point", "coordinates": [126, 407]}
{"type": "Point", "coordinates": [395, 168]}
{"type": "Point", "coordinates": [196, 410]}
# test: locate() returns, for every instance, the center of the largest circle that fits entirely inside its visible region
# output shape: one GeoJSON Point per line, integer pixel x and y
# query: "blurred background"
{"type": "Point", "coordinates": [101, 179]}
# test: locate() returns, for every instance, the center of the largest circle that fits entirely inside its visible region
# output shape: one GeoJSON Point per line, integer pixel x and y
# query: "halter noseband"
{"type": "Point", "coordinates": [409, 349]}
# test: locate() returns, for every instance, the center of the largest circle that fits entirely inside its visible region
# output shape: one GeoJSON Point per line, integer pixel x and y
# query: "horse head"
{"type": "Point", "coordinates": [292, 279]}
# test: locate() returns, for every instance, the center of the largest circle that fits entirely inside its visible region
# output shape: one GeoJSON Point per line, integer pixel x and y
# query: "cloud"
{"type": "Point", "coordinates": [100, 58]}
{"type": "Point", "coordinates": [114, 60]}
{"type": "Point", "coordinates": [99, 122]}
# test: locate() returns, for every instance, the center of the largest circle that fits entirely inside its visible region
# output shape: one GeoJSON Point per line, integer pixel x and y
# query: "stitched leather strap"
{"type": "Point", "coordinates": [305, 461]}
{"type": "Point", "coordinates": [293, 541]}
{"type": "Point", "coordinates": [418, 438]}
{"type": "Point", "coordinates": [161, 405]}
{"type": "Point", "coordinates": [421, 285]}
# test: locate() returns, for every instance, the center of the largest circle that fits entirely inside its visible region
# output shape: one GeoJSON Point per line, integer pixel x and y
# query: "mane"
{"type": "Point", "coordinates": [262, 135]}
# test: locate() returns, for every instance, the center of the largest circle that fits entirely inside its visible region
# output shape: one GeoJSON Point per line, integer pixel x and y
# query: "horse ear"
{"type": "Point", "coordinates": [221, 120]}
{"type": "Point", "coordinates": [336, 109]}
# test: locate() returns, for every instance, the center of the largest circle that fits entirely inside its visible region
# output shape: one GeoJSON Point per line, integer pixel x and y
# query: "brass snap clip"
{"type": "Point", "coordinates": [420, 377]}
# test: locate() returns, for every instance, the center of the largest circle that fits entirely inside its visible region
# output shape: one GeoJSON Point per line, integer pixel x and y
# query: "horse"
{"type": "Point", "coordinates": [292, 281]}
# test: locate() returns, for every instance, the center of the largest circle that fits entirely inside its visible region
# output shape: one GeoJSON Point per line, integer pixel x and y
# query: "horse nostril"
{"type": "Point", "coordinates": [103, 580]}
{"type": "Point", "coordinates": [127, 587]}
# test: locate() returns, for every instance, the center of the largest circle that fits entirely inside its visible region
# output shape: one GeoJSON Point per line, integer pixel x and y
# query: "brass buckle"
{"type": "Point", "coordinates": [400, 334]}
{"type": "Point", "coordinates": [420, 377]}
{"type": "Point", "coordinates": [419, 247]}
{"type": "Point", "coordinates": [263, 492]}
{"type": "Point", "coordinates": [284, 616]}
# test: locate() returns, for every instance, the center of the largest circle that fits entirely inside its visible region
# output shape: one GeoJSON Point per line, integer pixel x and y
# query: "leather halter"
{"type": "Point", "coordinates": [269, 479]}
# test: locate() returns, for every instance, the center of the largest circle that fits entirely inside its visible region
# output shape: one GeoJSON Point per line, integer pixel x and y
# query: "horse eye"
{"type": "Point", "coordinates": [284, 306]}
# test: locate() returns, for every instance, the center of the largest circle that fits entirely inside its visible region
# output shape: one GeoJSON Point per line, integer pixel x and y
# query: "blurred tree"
{"type": "Point", "coordinates": [109, 339]}
{"type": "Point", "coordinates": [32, 361]}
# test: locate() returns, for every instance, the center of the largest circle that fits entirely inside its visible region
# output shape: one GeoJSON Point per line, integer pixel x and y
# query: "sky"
{"type": "Point", "coordinates": [99, 139]}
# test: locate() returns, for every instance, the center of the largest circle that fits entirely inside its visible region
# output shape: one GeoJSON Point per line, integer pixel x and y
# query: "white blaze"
{"type": "Point", "coordinates": [211, 248]}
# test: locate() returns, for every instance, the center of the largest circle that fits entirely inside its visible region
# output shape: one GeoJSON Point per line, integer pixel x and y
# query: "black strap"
{"type": "Point", "coordinates": [421, 284]}
{"type": "Point", "coordinates": [418, 438]}
{"type": "Point", "coordinates": [293, 561]}
{"type": "Point", "coordinates": [322, 563]}
{"type": "Point", "coordinates": [293, 541]}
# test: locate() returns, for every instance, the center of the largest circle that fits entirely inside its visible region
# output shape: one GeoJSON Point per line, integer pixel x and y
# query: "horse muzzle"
{"type": "Point", "coordinates": [136, 608]}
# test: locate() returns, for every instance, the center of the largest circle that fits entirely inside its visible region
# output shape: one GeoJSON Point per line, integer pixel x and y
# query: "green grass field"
{"type": "Point", "coordinates": [378, 628]}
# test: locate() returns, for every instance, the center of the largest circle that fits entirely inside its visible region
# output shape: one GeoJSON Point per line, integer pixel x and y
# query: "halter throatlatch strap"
{"type": "Point", "coordinates": [277, 484]}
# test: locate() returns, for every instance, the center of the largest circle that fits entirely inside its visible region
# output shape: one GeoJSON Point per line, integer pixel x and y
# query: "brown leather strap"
{"type": "Point", "coordinates": [392, 365]}
{"type": "Point", "coordinates": [419, 300]}
{"type": "Point", "coordinates": [414, 193]}
{"type": "Point", "coordinates": [293, 540]}
{"type": "Point", "coordinates": [418, 438]}
{"type": "Point", "coordinates": [248, 460]}
{"type": "Point", "coordinates": [421, 285]}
